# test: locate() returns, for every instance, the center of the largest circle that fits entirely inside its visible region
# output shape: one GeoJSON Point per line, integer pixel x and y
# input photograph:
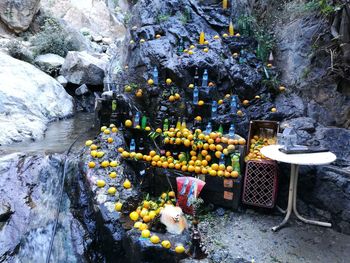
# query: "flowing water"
{"type": "Point", "coordinates": [37, 168]}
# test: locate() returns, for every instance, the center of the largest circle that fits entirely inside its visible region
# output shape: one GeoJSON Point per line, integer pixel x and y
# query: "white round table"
{"type": "Point", "coordinates": [295, 160]}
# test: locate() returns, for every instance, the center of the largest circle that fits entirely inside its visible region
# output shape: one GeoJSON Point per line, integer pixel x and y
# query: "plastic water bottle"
{"type": "Point", "coordinates": [166, 125]}
{"type": "Point", "coordinates": [137, 119]}
{"type": "Point", "coordinates": [196, 78]}
{"type": "Point", "coordinates": [222, 159]}
{"type": "Point", "coordinates": [195, 95]}
{"type": "Point", "coordinates": [214, 109]}
{"type": "Point", "coordinates": [231, 132]}
{"type": "Point", "coordinates": [209, 128]}
{"type": "Point", "coordinates": [234, 104]}
{"type": "Point", "coordinates": [205, 79]}
{"type": "Point", "coordinates": [132, 145]}
{"type": "Point", "coordinates": [155, 76]}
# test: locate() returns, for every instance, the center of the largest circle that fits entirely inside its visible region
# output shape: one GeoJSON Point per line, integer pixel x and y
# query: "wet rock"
{"type": "Point", "coordinates": [5, 211]}
{"type": "Point", "coordinates": [289, 106]}
{"type": "Point", "coordinates": [19, 15]}
{"type": "Point", "coordinates": [83, 89]}
{"type": "Point", "coordinates": [49, 63]}
{"type": "Point", "coordinates": [30, 97]}
{"type": "Point", "coordinates": [62, 80]}
{"type": "Point", "coordinates": [83, 68]}
{"type": "Point", "coordinates": [304, 127]}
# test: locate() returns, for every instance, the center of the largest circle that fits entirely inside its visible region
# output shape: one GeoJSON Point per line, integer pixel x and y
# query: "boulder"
{"type": "Point", "coordinates": [29, 99]}
{"type": "Point", "coordinates": [18, 15]}
{"type": "Point", "coordinates": [83, 89]}
{"type": "Point", "coordinates": [82, 68]}
{"type": "Point", "coordinates": [49, 63]}
{"type": "Point", "coordinates": [62, 80]}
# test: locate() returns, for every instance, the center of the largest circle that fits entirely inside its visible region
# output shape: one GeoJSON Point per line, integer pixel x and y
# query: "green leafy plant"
{"type": "Point", "coordinates": [53, 38]}
{"type": "Point", "coordinates": [16, 50]}
{"type": "Point", "coordinates": [325, 7]}
{"type": "Point", "coordinates": [246, 24]}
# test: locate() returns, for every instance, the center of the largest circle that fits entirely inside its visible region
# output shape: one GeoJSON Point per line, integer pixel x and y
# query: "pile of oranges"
{"type": "Point", "coordinates": [256, 143]}
{"type": "Point", "coordinates": [203, 150]}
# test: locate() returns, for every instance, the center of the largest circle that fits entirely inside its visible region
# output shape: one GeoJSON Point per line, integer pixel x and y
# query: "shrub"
{"type": "Point", "coordinates": [16, 50]}
{"type": "Point", "coordinates": [53, 38]}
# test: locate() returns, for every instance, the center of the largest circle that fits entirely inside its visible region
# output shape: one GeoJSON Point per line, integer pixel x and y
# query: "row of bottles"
{"type": "Point", "coordinates": [137, 119]}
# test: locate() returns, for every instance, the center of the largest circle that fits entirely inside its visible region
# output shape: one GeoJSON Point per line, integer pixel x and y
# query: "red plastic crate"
{"type": "Point", "coordinates": [260, 183]}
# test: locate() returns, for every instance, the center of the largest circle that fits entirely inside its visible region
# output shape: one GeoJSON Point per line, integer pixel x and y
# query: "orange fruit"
{"type": "Point", "coordinates": [146, 218]}
{"type": "Point", "coordinates": [120, 149]}
{"type": "Point", "coordinates": [212, 173]}
{"type": "Point", "coordinates": [177, 166]}
{"type": "Point", "coordinates": [165, 165]}
{"type": "Point", "coordinates": [215, 166]}
{"type": "Point", "coordinates": [197, 170]}
{"type": "Point", "coordinates": [200, 103]}
{"type": "Point", "coordinates": [220, 173]}
{"type": "Point", "coordinates": [212, 147]}
{"type": "Point", "coordinates": [219, 147]}
{"type": "Point", "coordinates": [171, 98]}
{"type": "Point", "coordinates": [234, 174]}
{"type": "Point", "coordinates": [187, 143]}
{"type": "Point", "coordinates": [204, 170]}
{"type": "Point", "coordinates": [190, 168]}
{"type": "Point", "coordinates": [171, 166]}
{"type": "Point", "coordinates": [152, 153]}
{"type": "Point", "coordinates": [241, 141]}
{"type": "Point", "coordinates": [184, 168]}
{"type": "Point", "coordinates": [204, 163]}
{"type": "Point", "coordinates": [208, 158]}
{"type": "Point", "coordinates": [229, 169]}
{"type": "Point", "coordinates": [218, 154]}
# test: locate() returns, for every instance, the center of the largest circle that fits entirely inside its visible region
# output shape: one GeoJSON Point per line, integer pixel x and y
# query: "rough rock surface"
{"type": "Point", "coordinates": [96, 15]}
{"type": "Point", "coordinates": [29, 99]}
{"type": "Point", "coordinates": [82, 68]}
{"type": "Point", "coordinates": [18, 15]}
{"type": "Point", "coordinates": [49, 63]}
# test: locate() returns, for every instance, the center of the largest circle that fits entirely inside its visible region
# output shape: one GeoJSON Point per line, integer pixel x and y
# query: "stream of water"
{"type": "Point", "coordinates": [47, 178]}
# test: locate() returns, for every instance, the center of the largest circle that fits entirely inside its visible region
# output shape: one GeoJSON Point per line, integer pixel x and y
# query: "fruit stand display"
{"type": "Point", "coordinates": [261, 175]}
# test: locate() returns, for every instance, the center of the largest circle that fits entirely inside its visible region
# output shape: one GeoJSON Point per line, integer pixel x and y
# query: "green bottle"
{"type": "Point", "coordinates": [143, 122]}
{"type": "Point", "coordinates": [221, 129]}
{"type": "Point", "coordinates": [166, 125]}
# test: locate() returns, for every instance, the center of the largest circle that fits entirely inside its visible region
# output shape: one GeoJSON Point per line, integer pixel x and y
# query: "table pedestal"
{"type": "Point", "coordinates": [292, 202]}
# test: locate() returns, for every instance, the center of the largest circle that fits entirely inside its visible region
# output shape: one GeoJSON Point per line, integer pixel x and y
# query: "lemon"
{"type": "Point", "coordinates": [111, 190]}
{"type": "Point", "coordinates": [282, 88]}
{"type": "Point", "coordinates": [158, 36]}
{"type": "Point", "coordinates": [168, 81]}
{"type": "Point", "coordinates": [113, 175]}
{"type": "Point", "coordinates": [257, 97]}
{"type": "Point", "coordinates": [166, 244]}
{"type": "Point", "coordinates": [225, 35]}
{"type": "Point", "coordinates": [143, 226]}
{"type": "Point", "coordinates": [91, 164]}
{"type": "Point", "coordinates": [150, 82]}
{"type": "Point", "coordinates": [93, 147]}
{"type": "Point", "coordinates": [191, 86]}
{"type": "Point", "coordinates": [206, 42]}
{"type": "Point", "coordinates": [127, 184]}
{"type": "Point", "coordinates": [132, 42]}
{"type": "Point", "coordinates": [142, 40]}
{"type": "Point", "coordinates": [200, 103]}
{"type": "Point", "coordinates": [134, 216]}
{"type": "Point", "coordinates": [99, 154]}
{"type": "Point", "coordinates": [103, 128]}
{"type": "Point", "coordinates": [163, 196]}
{"type": "Point", "coordinates": [110, 140]}
{"type": "Point", "coordinates": [152, 215]}
{"type": "Point", "coordinates": [206, 50]}
{"type": "Point", "coordinates": [118, 206]}
{"type": "Point", "coordinates": [93, 153]}
{"type": "Point", "coordinates": [100, 183]}
{"type": "Point", "coordinates": [137, 127]}
{"type": "Point", "coordinates": [273, 110]}
{"type": "Point", "coordinates": [114, 129]}
{"type": "Point", "coordinates": [190, 52]}
{"type": "Point", "coordinates": [179, 249]}
{"type": "Point", "coordinates": [113, 164]}
{"type": "Point", "coordinates": [137, 224]}
{"type": "Point", "coordinates": [106, 131]}
{"type": "Point", "coordinates": [216, 37]}
{"type": "Point", "coordinates": [88, 142]}
{"type": "Point", "coordinates": [154, 239]}
{"type": "Point", "coordinates": [125, 154]}
{"type": "Point", "coordinates": [128, 123]}
{"type": "Point", "coordinates": [145, 233]}
{"type": "Point", "coordinates": [105, 164]}
{"type": "Point", "coordinates": [171, 194]}
{"type": "Point", "coordinates": [147, 128]}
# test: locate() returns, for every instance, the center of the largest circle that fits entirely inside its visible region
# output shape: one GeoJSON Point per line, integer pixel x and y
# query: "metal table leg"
{"type": "Point", "coordinates": [318, 223]}
{"type": "Point", "coordinates": [290, 200]}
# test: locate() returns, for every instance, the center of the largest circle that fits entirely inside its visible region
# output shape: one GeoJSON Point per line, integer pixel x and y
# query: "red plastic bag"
{"type": "Point", "coordinates": [188, 189]}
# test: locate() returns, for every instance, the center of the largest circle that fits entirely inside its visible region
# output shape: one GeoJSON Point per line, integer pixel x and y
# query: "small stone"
{"type": "Point", "coordinates": [83, 89]}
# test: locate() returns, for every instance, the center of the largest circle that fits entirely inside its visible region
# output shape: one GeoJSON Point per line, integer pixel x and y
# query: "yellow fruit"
{"type": "Point", "coordinates": [198, 118]}
{"type": "Point", "coordinates": [105, 164]}
{"type": "Point", "coordinates": [132, 42]}
{"type": "Point", "coordinates": [273, 110]}
{"type": "Point", "coordinates": [88, 143]}
{"type": "Point", "coordinates": [128, 123]}
{"type": "Point", "coordinates": [206, 50]}
{"type": "Point", "coordinates": [100, 183]}
{"type": "Point", "coordinates": [206, 42]}
{"type": "Point", "coordinates": [103, 128]}
{"type": "Point", "coordinates": [142, 40]}
{"type": "Point", "coordinates": [114, 129]}
{"type": "Point", "coordinates": [190, 52]}
{"type": "Point", "coordinates": [177, 96]}
{"type": "Point", "coordinates": [106, 131]}
{"type": "Point", "coordinates": [110, 140]}
{"type": "Point", "coordinates": [241, 141]}
{"type": "Point", "coordinates": [150, 82]}
{"type": "Point", "coordinates": [171, 98]}
{"type": "Point", "coordinates": [245, 102]}
{"type": "Point", "coordinates": [158, 36]}
{"type": "Point", "coordinates": [282, 88]}
{"type": "Point", "coordinates": [125, 154]}
{"type": "Point", "coordinates": [143, 226]}
{"type": "Point", "coordinates": [139, 156]}
{"type": "Point", "coordinates": [235, 55]}
{"type": "Point", "coordinates": [191, 86]}
{"type": "Point", "coordinates": [168, 81]}
{"type": "Point", "coordinates": [152, 215]}
{"type": "Point", "coordinates": [145, 233]}
{"type": "Point", "coordinates": [212, 172]}
{"type": "Point", "coordinates": [93, 147]}
{"type": "Point", "coordinates": [113, 175]}
{"type": "Point", "coordinates": [127, 184]}
{"type": "Point", "coordinates": [257, 97]}
{"type": "Point", "coordinates": [166, 244]}
{"type": "Point", "coordinates": [154, 239]}
{"type": "Point", "coordinates": [93, 153]}
{"type": "Point", "coordinates": [238, 35]}
{"type": "Point", "coordinates": [100, 154]}
{"type": "Point", "coordinates": [127, 88]}
{"type": "Point", "coordinates": [91, 164]}
{"type": "Point", "coordinates": [219, 147]}
{"type": "Point", "coordinates": [171, 194]}
{"type": "Point", "coordinates": [269, 65]}
{"type": "Point", "coordinates": [179, 249]}
{"type": "Point", "coordinates": [200, 103]}
{"type": "Point", "coordinates": [111, 190]}
{"type": "Point", "coordinates": [239, 113]}
{"type": "Point", "coordinates": [120, 150]}
{"type": "Point", "coordinates": [134, 216]}
{"type": "Point", "coordinates": [146, 218]}
{"type": "Point", "coordinates": [216, 37]}
{"type": "Point", "coordinates": [220, 102]}
{"type": "Point", "coordinates": [234, 174]}
{"type": "Point", "coordinates": [147, 128]}
{"type": "Point", "coordinates": [137, 224]}
{"type": "Point", "coordinates": [113, 164]}
{"type": "Point", "coordinates": [225, 35]}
